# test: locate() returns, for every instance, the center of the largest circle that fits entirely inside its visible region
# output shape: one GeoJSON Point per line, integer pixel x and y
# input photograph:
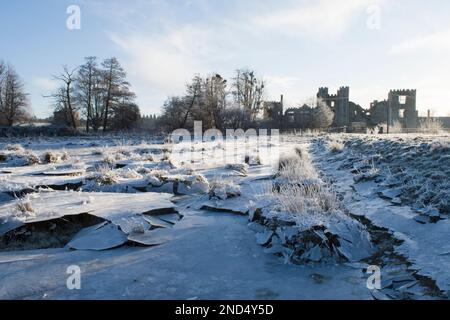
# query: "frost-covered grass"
{"type": "Point", "coordinates": [32, 159]}
{"type": "Point", "coordinates": [335, 146]}
{"type": "Point", "coordinates": [314, 200]}
{"type": "Point", "coordinates": [18, 148]}
{"type": "Point", "coordinates": [296, 167]}
{"type": "Point", "coordinates": [239, 167]}
{"type": "Point", "coordinates": [104, 175]}
{"type": "Point", "coordinates": [418, 165]}
{"type": "Point", "coordinates": [299, 192]}
{"type": "Point", "coordinates": [224, 188]}
{"type": "Point", "coordinates": [51, 157]}
{"type": "Point", "coordinates": [24, 208]}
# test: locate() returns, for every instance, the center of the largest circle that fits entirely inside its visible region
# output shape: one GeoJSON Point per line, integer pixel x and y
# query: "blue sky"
{"type": "Point", "coordinates": [296, 45]}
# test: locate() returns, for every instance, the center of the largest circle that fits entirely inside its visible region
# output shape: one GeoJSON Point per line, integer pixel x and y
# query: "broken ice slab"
{"type": "Point", "coordinates": [133, 224]}
{"type": "Point", "coordinates": [9, 223]}
{"type": "Point", "coordinates": [404, 278]}
{"type": "Point", "coordinates": [357, 265]}
{"type": "Point", "coordinates": [100, 237]}
{"type": "Point", "coordinates": [48, 205]}
{"type": "Point", "coordinates": [63, 172]}
{"type": "Point", "coordinates": [422, 219]}
{"type": "Point", "coordinates": [287, 233]}
{"type": "Point", "coordinates": [378, 295]}
{"type": "Point", "coordinates": [276, 246]}
{"type": "Point", "coordinates": [171, 218]}
{"type": "Point", "coordinates": [46, 222]}
{"type": "Point", "coordinates": [156, 222]}
{"type": "Point", "coordinates": [354, 241]}
{"type": "Point", "coordinates": [256, 227]}
{"type": "Point", "coordinates": [222, 209]}
{"type": "Point", "coordinates": [240, 205]}
{"type": "Point", "coordinates": [152, 237]}
{"type": "Point", "coordinates": [165, 188]}
{"type": "Point", "coordinates": [391, 193]}
{"type": "Point", "coordinates": [53, 233]}
{"type": "Point", "coordinates": [314, 254]}
{"type": "Point", "coordinates": [263, 238]}
{"type": "Point", "coordinates": [433, 213]}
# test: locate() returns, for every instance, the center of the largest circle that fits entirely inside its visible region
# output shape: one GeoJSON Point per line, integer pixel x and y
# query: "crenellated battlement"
{"type": "Point", "coordinates": [404, 92]}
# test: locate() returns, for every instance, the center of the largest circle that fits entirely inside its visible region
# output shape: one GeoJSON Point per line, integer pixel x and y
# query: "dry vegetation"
{"type": "Point", "coordinates": [298, 191]}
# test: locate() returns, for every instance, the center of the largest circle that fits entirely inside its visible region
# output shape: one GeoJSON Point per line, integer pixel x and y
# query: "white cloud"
{"type": "Point", "coordinates": [45, 84]}
{"type": "Point", "coordinates": [160, 60]}
{"type": "Point", "coordinates": [437, 41]}
{"type": "Point", "coordinates": [160, 66]}
{"type": "Point", "coordinates": [324, 18]}
{"type": "Point", "coordinates": [277, 85]}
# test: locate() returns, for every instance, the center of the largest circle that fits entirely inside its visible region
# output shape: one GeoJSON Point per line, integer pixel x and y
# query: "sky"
{"type": "Point", "coordinates": [296, 46]}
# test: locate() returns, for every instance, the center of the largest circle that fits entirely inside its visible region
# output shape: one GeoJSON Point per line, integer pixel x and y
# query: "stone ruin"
{"type": "Point", "coordinates": [400, 107]}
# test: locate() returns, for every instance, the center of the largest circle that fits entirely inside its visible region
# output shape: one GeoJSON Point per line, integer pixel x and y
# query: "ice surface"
{"type": "Point", "coordinates": [207, 254]}
{"type": "Point", "coordinates": [100, 237]}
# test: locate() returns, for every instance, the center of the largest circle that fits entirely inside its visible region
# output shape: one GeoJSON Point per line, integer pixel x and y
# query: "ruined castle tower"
{"type": "Point", "coordinates": [339, 103]}
{"type": "Point", "coordinates": [402, 108]}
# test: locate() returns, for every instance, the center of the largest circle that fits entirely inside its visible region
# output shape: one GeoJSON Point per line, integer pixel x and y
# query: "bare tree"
{"type": "Point", "coordinates": [64, 96]}
{"type": "Point", "coordinates": [191, 100]}
{"type": "Point", "coordinates": [215, 94]}
{"type": "Point", "coordinates": [14, 106]}
{"type": "Point", "coordinates": [85, 87]}
{"type": "Point", "coordinates": [115, 86]}
{"type": "Point", "coordinates": [98, 107]}
{"type": "Point", "coordinates": [248, 92]}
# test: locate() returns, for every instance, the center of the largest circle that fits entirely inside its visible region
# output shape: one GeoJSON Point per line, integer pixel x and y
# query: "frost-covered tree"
{"type": "Point", "coordinates": [116, 87]}
{"type": "Point", "coordinates": [86, 82]}
{"type": "Point", "coordinates": [175, 113]}
{"type": "Point", "coordinates": [64, 96]}
{"type": "Point", "coordinates": [14, 105]}
{"type": "Point", "coordinates": [125, 116]}
{"type": "Point", "coordinates": [214, 96]}
{"type": "Point", "coordinates": [323, 115]}
{"type": "Point", "coordinates": [248, 92]}
{"type": "Point", "coordinates": [431, 125]}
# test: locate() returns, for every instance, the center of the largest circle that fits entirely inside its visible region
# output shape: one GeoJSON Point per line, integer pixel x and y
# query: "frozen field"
{"type": "Point", "coordinates": [140, 225]}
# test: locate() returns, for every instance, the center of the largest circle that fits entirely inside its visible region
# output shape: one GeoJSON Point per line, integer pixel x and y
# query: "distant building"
{"type": "Point", "coordinates": [444, 120]}
{"type": "Point", "coordinates": [274, 110]}
{"type": "Point", "coordinates": [345, 111]}
{"type": "Point", "coordinates": [299, 118]}
{"type": "Point", "coordinates": [399, 107]}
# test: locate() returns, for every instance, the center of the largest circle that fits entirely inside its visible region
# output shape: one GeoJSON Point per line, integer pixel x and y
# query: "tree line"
{"type": "Point", "coordinates": [234, 104]}
{"type": "Point", "coordinates": [216, 102]}
{"type": "Point", "coordinates": [100, 92]}
{"type": "Point", "coordinates": [97, 96]}
{"type": "Point", "coordinates": [95, 93]}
